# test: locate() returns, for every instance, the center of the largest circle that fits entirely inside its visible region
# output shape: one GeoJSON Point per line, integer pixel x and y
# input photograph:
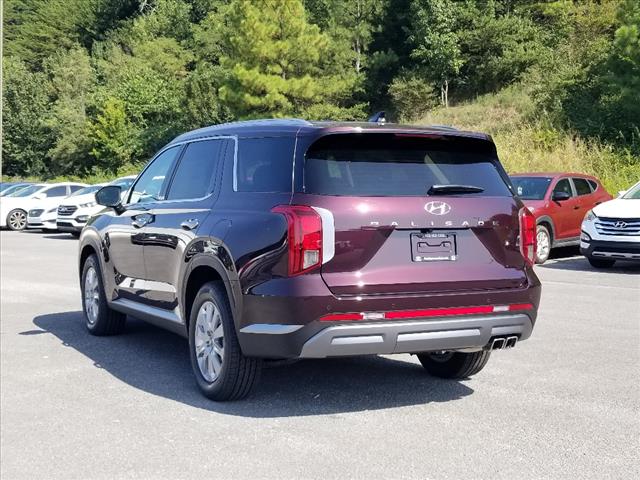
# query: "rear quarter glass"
{"type": "Point", "coordinates": [391, 165]}
{"type": "Point", "coordinates": [265, 164]}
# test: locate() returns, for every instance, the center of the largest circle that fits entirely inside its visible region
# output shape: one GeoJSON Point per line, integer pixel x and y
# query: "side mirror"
{"type": "Point", "coordinates": [560, 196]}
{"type": "Point", "coordinates": [109, 196]}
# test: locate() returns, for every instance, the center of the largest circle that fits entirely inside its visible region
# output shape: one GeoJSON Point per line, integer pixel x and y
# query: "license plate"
{"type": "Point", "coordinates": [433, 247]}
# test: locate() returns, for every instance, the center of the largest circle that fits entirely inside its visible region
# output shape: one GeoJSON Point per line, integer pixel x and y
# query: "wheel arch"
{"type": "Point", "coordinates": [203, 269]}
{"type": "Point", "coordinates": [547, 221]}
{"type": "Point", "coordinates": [85, 252]}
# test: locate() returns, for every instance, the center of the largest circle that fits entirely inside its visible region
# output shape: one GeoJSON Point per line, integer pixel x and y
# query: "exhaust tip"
{"type": "Point", "coordinates": [498, 343]}
{"type": "Point", "coordinates": [511, 342]}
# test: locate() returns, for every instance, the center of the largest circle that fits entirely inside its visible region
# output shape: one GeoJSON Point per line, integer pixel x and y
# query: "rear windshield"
{"type": "Point", "coordinates": [397, 165]}
{"type": "Point", "coordinates": [531, 188]}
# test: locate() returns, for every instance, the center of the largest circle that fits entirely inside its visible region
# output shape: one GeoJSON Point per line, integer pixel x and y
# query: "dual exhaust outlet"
{"type": "Point", "coordinates": [502, 343]}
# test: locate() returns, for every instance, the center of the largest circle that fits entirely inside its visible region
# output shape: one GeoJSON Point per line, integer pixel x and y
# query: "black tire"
{"type": "Point", "coordinates": [601, 262]}
{"type": "Point", "coordinates": [238, 374]}
{"type": "Point", "coordinates": [542, 257]}
{"type": "Point", "coordinates": [454, 364]}
{"type": "Point", "coordinates": [17, 220]}
{"type": "Point", "coordinates": [107, 321]}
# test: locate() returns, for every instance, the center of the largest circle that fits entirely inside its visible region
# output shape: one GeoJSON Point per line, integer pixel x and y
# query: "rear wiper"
{"type": "Point", "coordinates": [453, 189]}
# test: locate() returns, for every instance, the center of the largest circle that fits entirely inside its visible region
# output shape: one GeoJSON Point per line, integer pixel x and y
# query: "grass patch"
{"type": "Point", "coordinates": [529, 145]}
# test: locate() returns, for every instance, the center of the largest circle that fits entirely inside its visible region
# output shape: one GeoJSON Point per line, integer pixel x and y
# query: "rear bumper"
{"type": "Point", "coordinates": [383, 337]}
{"type": "Point", "coordinates": [415, 336]}
{"type": "Point", "coordinates": [611, 250]}
{"type": "Point", "coordinates": [281, 319]}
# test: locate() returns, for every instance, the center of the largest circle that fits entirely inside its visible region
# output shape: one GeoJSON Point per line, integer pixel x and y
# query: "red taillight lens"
{"type": "Point", "coordinates": [304, 237]}
{"type": "Point", "coordinates": [528, 235]}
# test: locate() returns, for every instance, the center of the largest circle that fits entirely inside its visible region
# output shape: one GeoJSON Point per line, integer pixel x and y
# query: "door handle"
{"type": "Point", "coordinates": [576, 207]}
{"type": "Point", "coordinates": [141, 220]}
{"type": "Point", "coordinates": [190, 224]}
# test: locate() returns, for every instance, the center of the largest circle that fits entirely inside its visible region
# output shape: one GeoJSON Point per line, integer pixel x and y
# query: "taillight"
{"type": "Point", "coordinates": [304, 237]}
{"type": "Point", "coordinates": [528, 235]}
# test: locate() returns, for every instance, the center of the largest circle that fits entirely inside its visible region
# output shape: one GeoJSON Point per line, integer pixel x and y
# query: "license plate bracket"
{"type": "Point", "coordinates": [433, 247]}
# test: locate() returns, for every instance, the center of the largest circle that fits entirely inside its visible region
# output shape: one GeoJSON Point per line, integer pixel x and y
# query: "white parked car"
{"type": "Point", "coordinates": [76, 210]}
{"type": "Point", "coordinates": [15, 207]}
{"type": "Point", "coordinates": [611, 231]}
{"type": "Point", "coordinates": [44, 207]}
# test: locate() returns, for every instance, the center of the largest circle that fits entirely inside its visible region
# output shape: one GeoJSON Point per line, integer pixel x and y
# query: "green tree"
{"type": "Point", "coordinates": [437, 42]}
{"type": "Point", "coordinates": [113, 137]}
{"type": "Point", "coordinates": [354, 22]}
{"type": "Point", "coordinates": [72, 79]}
{"type": "Point", "coordinates": [276, 64]}
{"type": "Point", "coordinates": [26, 136]}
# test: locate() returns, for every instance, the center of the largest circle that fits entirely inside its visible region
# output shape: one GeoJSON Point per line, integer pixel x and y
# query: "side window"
{"type": "Point", "coordinates": [594, 185]}
{"type": "Point", "coordinates": [148, 188]}
{"type": "Point", "coordinates": [265, 164]}
{"type": "Point", "coordinates": [582, 186]}
{"type": "Point", "coordinates": [75, 188]}
{"type": "Point", "coordinates": [56, 192]}
{"type": "Point", "coordinates": [194, 177]}
{"type": "Point", "coordinates": [563, 186]}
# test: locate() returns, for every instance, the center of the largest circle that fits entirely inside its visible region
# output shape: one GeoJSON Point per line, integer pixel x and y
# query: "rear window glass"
{"type": "Point", "coordinates": [265, 164]}
{"type": "Point", "coordinates": [397, 165]}
{"type": "Point", "coordinates": [531, 188]}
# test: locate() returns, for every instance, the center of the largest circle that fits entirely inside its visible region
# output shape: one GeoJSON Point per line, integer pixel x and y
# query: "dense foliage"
{"type": "Point", "coordinates": [99, 85]}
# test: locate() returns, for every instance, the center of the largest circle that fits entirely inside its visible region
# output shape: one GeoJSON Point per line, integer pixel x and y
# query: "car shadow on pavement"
{"type": "Point", "coordinates": [569, 258]}
{"type": "Point", "coordinates": [581, 264]}
{"type": "Point", "coordinates": [157, 362]}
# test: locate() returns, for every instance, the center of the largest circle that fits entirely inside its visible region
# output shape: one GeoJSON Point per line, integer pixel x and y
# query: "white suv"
{"type": "Point", "coordinates": [611, 231]}
{"type": "Point", "coordinates": [76, 210]}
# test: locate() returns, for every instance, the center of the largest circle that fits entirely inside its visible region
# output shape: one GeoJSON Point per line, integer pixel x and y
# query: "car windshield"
{"type": "Point", "coordinates": [123, 183]}
{"type": "Point", "coordinates": [633, 193]}
{"type": "Point", "coordinates": [25, 192]}
{"type": "Point", "coordinates": [531, 188]}
{"type": "Point", "coordinates": [13, 189]}
{"type": "Point", "coordinates": [86, 190]}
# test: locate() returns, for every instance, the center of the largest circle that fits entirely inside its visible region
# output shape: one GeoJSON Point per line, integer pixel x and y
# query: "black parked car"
{"type": "Point", "coordinates": [287, 239]}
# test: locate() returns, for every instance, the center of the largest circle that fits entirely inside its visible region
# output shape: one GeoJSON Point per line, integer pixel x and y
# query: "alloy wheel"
{"type": "Point", "coordinates": [544, 245]}
{"type": "Point", "coordinates": [209, 341]}
{"type": "Point", "coordinates": [18, 220]}
{"type": "Point", "coordinates": [91, 295]}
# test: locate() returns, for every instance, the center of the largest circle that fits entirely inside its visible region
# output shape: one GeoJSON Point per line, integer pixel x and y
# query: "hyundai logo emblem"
{"type": "Point", "coordinates": [437, 208]}
{"type": "Point", "coordinates": [620, 224]}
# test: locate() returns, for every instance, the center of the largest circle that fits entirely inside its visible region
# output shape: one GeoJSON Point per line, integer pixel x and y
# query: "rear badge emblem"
{"type": "Point", "coordinates": [437, 208]}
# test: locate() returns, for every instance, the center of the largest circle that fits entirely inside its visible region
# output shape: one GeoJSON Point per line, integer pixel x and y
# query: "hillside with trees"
{"type": "Point", "coordinates": [93, 88]}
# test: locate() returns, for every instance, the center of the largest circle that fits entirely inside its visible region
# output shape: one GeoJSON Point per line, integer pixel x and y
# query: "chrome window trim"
{"type": "Point", "coordinates": [181, 144]}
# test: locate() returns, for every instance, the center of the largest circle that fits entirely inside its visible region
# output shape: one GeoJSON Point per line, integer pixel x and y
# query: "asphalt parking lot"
{"type": "Point", "coordinates": [564, 404]}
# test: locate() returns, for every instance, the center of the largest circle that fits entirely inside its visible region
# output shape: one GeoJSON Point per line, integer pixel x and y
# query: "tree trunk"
{"type": "Point", "coordinates": [445, 93]}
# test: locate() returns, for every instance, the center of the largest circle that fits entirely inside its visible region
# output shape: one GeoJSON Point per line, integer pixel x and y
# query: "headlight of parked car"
{"type": "Point", "coordinates": [590, 216]}
{"type": "Point", "coordinates": [87, 205]}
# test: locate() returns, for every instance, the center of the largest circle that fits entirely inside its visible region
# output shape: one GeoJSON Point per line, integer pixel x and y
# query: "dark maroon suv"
{"type": "Point", "coordinates": [287, 239]}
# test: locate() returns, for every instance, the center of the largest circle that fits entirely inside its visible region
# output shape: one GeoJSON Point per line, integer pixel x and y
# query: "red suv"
{"type": "Point", "coordinates": [559, 202]}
